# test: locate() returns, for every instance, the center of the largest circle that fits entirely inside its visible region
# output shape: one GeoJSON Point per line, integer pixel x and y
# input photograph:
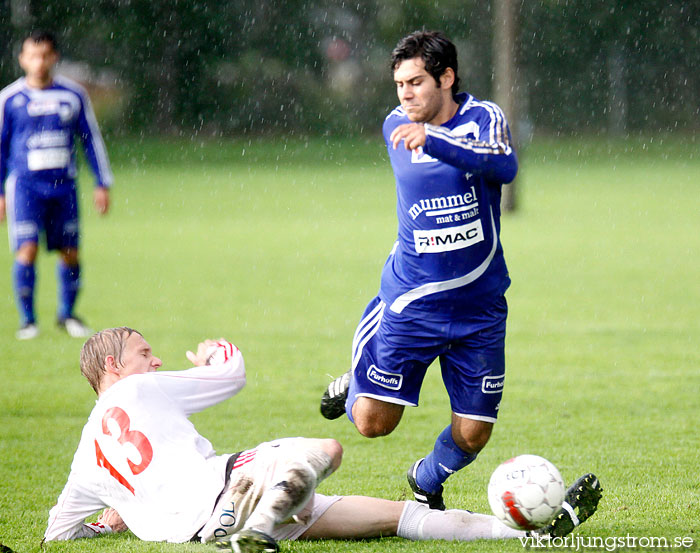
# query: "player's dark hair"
{"type": "Point", "coordinates": [435, 49]}
{"type": "Point", "coordinates": [40, 35]}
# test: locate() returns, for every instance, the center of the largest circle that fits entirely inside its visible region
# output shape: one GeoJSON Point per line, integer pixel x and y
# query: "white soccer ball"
{"type": "Point", "coordinates": [526, 492]}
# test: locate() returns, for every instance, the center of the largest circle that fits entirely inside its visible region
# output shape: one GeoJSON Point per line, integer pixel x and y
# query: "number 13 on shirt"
{"type": "Point", "coordinates": [126, 436]}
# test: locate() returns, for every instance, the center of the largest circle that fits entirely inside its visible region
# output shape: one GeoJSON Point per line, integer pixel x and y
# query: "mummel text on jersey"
{"type": "Point", "coordinates": [448, 260]}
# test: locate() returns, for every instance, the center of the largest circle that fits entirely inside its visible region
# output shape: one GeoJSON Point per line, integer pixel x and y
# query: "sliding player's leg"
{"type": "Point", "coordinates": [355, 517]}
{"type": "Point", "coordinates": [269, 485]}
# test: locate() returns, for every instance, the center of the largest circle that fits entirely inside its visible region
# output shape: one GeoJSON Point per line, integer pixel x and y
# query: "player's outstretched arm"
{"type": "Point", "coordinates": [218, 374]}
{"type": "Point", "coordinates": [67, 517]}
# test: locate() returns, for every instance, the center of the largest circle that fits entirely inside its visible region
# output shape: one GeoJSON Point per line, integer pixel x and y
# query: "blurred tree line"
{"type": "Point", "coordinates": [322, 66]}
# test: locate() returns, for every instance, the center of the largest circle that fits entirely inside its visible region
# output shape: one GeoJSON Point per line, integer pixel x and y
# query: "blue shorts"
{"type": "Point", "coordinates": [391, 354]}
{"type": "Point", "coordinates": [31, 213]}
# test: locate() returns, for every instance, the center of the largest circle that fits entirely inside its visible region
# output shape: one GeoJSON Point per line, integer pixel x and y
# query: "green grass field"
{"type": "Point", "coordinates": [279, 245]}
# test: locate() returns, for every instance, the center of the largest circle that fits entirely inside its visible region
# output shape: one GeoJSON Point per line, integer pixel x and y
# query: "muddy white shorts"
{"type": "Point", "coordinates": [253, 472]}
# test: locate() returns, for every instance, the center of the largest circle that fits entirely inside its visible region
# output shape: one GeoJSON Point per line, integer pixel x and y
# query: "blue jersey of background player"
{"type": "Point", "coordinates": [40, 118]}
{"type": "Point", "coordinates": [442, 287]}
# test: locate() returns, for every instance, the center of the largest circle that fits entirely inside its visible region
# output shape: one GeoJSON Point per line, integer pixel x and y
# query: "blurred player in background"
{"type": "Point", "coordinates": [40, 118]}
{"type": "Point", "coordinates": [442, 288]}
{"type": "Point", "coordinates": [141, 458]}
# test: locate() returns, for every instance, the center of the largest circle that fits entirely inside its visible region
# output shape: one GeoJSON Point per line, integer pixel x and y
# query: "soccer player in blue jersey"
{"type": "Point", "coordinates": [442, 287]}
{"type": "Point", "coordinates": [40, 118]}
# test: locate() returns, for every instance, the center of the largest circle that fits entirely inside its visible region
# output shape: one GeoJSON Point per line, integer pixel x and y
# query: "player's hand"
{"type": "Point", "coordinates": [199, 358]}
{"type": "Point", "coordinates": [2, 208]}
{"type": "Point", "coordinates": [412, 134]}
{"type": "Point", "coordinates": [101, 198]}
{"type": "Point", "coordinates": [111, 518]}
{"type": "Point", "coordinates": [211, 352]}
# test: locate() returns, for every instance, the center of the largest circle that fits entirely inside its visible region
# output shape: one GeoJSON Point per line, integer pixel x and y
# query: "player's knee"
{"type": "Point", "coordinates": [323, 457]}
{"type": "Point", "coordinates": [472, 443]}
{"type": "Point", "coordinates": [375, 418]}
{"type": "Point", "coordinates": [69, 256]}
{"type": "Point", "coordinates": [334, 450]}
{"type": "Point", "coordinates": [471, 435]}
{"type": "Point", "coordinates": [26, 254]}
{"type": "Point", "coordinates": [374, 427]}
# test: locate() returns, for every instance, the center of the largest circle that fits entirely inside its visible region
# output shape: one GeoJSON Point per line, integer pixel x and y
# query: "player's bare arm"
{"type": "Point", "coordinates": [2, 208]}
{"type": "Point", "coordinates": [412, 134]}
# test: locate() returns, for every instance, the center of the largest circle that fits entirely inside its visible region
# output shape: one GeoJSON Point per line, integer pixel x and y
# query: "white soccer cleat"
{"type": "Point", "coordinates": [27, 332]}
{"type": "Point", "coordinates": [75, 327]}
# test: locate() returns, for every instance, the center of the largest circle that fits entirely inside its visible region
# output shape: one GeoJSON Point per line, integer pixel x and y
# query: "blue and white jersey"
{"type": "Point", "coordinates": [448, 261]}
{"type": "Point", "coordinates": [38, 128]}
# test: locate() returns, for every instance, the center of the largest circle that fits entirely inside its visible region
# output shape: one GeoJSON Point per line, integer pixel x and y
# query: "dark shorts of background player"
{"type": "Point", "coordinates": [391, 354]}
{"type": "Point", "coordinates": [55, 215]}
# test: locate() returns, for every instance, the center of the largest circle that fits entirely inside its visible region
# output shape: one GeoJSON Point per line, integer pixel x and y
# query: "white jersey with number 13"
{"type": "Point", "coordinates": [139, 449]}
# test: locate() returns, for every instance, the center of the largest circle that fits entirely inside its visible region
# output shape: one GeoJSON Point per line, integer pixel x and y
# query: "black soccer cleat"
{"type": "Point", "coordinates": [580, 502]}
{"type": "Point", "coordinates": [333, 400]}
{"type": "Point", "coordinates": [251, 541]}
{"type": "Point", "coordinates": [432, 500]}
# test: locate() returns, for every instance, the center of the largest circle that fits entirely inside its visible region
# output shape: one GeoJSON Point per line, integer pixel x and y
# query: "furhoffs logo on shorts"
{"type": "Point", "coordinates": [392, 381]}
{"type": "Point", "coordinates": [493, 384]}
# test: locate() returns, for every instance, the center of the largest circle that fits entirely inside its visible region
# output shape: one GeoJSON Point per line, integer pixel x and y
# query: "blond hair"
{"type": "Point", "coordinates": [93, 355]}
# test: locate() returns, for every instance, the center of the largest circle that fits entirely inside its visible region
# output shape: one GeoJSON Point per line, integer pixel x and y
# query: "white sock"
{"type": "Point", "coordinates": [418, 522]}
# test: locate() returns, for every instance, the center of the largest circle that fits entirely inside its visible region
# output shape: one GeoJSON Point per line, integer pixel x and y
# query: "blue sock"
{"type": "Point", "coordinates": [24, 277]}
{"type": "Point", "coordinates": [68, 277]}
{"type": "Point", "coordinates": [445, 459]}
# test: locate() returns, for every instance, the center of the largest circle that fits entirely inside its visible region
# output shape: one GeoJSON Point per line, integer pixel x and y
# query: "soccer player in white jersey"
{"type": "Point", "coordinates": [142, 460]}
{"type": "Point", "coordinates": [442, 288]}
{"type": "Point", "coordinates": [40, 118]}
